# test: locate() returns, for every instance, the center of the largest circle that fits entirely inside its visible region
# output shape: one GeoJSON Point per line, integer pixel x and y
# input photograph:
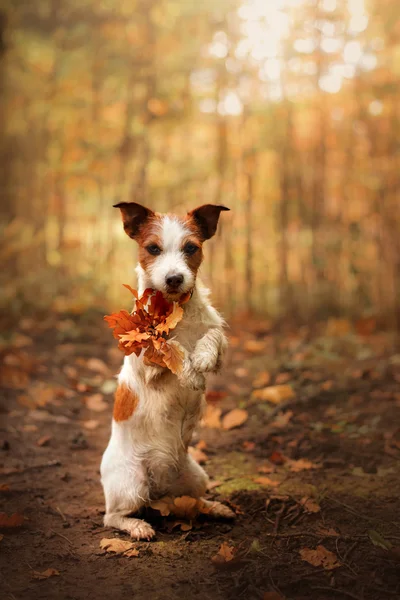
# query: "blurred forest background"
{"type": "Point", "coordinates": [287, 111]}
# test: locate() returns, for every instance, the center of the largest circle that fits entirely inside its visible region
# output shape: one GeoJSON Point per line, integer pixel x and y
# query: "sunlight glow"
{"type": "Point", "coordinates": [219, 45]}
{"type": "Point", "coordinates": [375, 107]}
{"type": "Point", "coordinates": [352, 52]}
{"type": "Point", "coordinates": [230, 105]}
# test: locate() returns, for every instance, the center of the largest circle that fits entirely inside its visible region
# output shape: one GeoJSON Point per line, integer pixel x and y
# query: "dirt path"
{"type": "Point", "coordinates": [321, 475]}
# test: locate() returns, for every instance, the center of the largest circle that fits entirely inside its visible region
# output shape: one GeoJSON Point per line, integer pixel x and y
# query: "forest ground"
{"type": "Point", "coordinates": [315, 469]}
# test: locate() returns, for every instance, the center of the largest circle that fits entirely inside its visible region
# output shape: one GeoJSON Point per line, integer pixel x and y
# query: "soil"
{"type": "Point", "coordinates": [329, 457]}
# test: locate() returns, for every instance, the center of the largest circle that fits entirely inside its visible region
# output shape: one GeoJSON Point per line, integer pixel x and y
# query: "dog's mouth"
{"type": "Point", "coordinates": [172, 293]}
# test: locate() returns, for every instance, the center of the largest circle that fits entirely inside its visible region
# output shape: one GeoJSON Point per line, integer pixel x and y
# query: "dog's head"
{"type": "Point", "coordinates": [170, 247]}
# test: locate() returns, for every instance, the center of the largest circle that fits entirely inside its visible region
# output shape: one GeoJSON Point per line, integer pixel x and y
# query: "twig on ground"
{"type": "Point", "coordinates": [61, 536]}
{"type": "Point", "coordinates": [50, 463]}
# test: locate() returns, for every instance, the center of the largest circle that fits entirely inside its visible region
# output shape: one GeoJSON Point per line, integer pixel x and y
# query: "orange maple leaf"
{"type": "Point", "coordinates": [148, 326]}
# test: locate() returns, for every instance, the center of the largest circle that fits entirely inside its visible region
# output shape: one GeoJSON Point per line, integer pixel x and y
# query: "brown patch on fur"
{"type": "Point", "coordinates": [125, 403]}
{"type": "Point", "coordinates": [149, 234]}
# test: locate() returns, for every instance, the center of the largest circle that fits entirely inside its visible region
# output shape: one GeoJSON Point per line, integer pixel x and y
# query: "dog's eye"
{"type": "Point", "coordinates": [153, 249]}
{"type": "Point", "coordinates": [190, 248]}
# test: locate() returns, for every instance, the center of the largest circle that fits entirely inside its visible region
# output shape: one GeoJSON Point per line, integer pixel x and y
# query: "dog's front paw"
{"type": "Point", "coordinates": [206, 362]}
{"type": "Point", "coordinates": [140, 530]}
{"type": "Point", "coordinates": [191, 378]}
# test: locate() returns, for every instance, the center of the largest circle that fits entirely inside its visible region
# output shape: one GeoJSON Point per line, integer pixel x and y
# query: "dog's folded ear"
{"type": "Point", "coordinates": [206, 218]}
{"type": "Point", "coordinates": [133, 217]}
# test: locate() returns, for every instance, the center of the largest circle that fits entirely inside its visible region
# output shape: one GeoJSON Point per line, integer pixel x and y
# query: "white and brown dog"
{"type": "Point", "coordinates": [155, 411]}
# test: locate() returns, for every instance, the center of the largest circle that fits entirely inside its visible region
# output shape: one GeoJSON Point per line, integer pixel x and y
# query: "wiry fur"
{"type": "Point", "coordinates": [147, 456]}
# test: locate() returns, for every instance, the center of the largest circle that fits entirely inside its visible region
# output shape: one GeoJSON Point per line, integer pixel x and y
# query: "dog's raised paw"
{"type": "Point", "coordinates": [140, 530]}
{"type": "Point", "coordinates": [204, 363]}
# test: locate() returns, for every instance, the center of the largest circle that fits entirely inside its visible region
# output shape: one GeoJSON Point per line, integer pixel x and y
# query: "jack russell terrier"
{"type": "Point", "coordinates": [155, 411]}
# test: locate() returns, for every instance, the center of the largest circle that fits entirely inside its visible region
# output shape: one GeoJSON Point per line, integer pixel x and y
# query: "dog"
{"type": "Point", "coordinates": [155, 411]}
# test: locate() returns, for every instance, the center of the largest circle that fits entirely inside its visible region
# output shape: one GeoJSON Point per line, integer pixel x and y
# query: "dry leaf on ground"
{"type": "Point", "coordinates": [267, 481]}
{"type": "Point", "coordinates": [302, 464]}
{"type": "Point", "coordinates": [320, 557]}
{"type": "Point", "coordinates": [98, 365]}
{"type": "Point", "coordinates": [44, 440]}
{"type": "Point", "coordinates": [212, 417]}
{"type": "Point", "coordinates": [119, 546]}
{"type": "Point", "coordinates": [44, 574]}
{"type": "Point", "coordinates": [14, 520]}
{"type": "Point", "coordinates": [310, 505]}
{"type": "Point", "coordinates": [282, 420]}
{"type": "Point", "coordinates": [225, 554]}
{"type": "Point", "coordinates": [183, 507]}
{"type": "Point", "coordinates": [274, 393]}
{"type": "Point", "coordinates": [96, 402]}
{"type": "Point", "coordinates": [262, 379]}
{"type": "Point", "coordinates": [91, 424]}
{"type": "Point", "coordinates": [235, 418]}
{"type": "Point", "coordinates": [255, 346]}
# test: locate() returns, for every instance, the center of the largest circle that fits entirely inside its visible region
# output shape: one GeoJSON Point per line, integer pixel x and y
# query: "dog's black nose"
{"type": "Point", "coordinates": [174, 281]}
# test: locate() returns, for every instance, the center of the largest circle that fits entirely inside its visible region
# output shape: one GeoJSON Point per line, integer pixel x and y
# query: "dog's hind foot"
{"type": "Point", "coordinates": [217, 510]}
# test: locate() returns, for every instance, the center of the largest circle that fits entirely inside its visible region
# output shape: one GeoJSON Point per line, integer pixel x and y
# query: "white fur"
{"type": "Point", "coordinates": [147, 457]}
{"type": "Point", "coordinates": [171, 260]}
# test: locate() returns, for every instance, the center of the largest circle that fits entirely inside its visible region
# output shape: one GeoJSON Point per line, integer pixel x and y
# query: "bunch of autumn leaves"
{"type": "Point", "coordinates": [147, 328]}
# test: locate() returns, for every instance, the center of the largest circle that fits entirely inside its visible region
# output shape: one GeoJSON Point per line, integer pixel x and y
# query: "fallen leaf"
{"type": "Point", "coordinates": [327, 385]}
{"type": "Point", "coordinates": [183, 525]}
{"type": "Point", "coordinates": [15, 520]}
{"type": "Point", "coordinates": [118, 546]}
{"type": "Point", "coordinates": [277, 458]}
{"type": "Point", "coordinates": [98, 365]}
{"type": "Point", "coordinates": [282, 420]}
{"type": "Point", "coordinates": [215, 395]}
{"type": "Point", "coordinates": [262, 379]}
{"type": "Point", "coordinates": [198, 455]}
{"type": "Point", "coordinates": [254, 346]}
{"type": "Point", "coordinates": [163, 506]}
{"type": "Point", "coordinates": [274, 393]}
{"type": "Point", "coordinates": [267, 481]}
{"type": "Point", "coordinates": [282, 378]}
{"type": "Point", "coordinates": [44, 574]}
{"type": "Point", "coordinates": [302, 464]}
{"type": "Point", "coordinates": [186, 507]}
{"type": "Point", "coordinates": [96, 402]}
{"type": "Point", "coordinates": [379, 540]}
{"type": "Point", "coordinates": [212, 417]}
{"type": "Point", "coordinates": [310, 505]}
{"type": "Point", "coordinates": [20, 341]}
{"type": "Point", "coordinates": [337, 327]}
{"type": "Point", "coordinates": [225, 554]}
{"type": "Point", "coordinates": [248, 446]}
{"type": "Point", "coordinates": [44, 440]}
{"type": "Point", "coordinates": [235, 418]}
{"type": "Point", "coordinates": [4, 488]}
{"type": "Point", "coordinates": [320, 557]}
{"type": "Point", "coordinates": [241, 372]}
{"type": "Point", "coordinates": [266, 469]}
{"type": "Point", "coordinates": [91, 424]}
